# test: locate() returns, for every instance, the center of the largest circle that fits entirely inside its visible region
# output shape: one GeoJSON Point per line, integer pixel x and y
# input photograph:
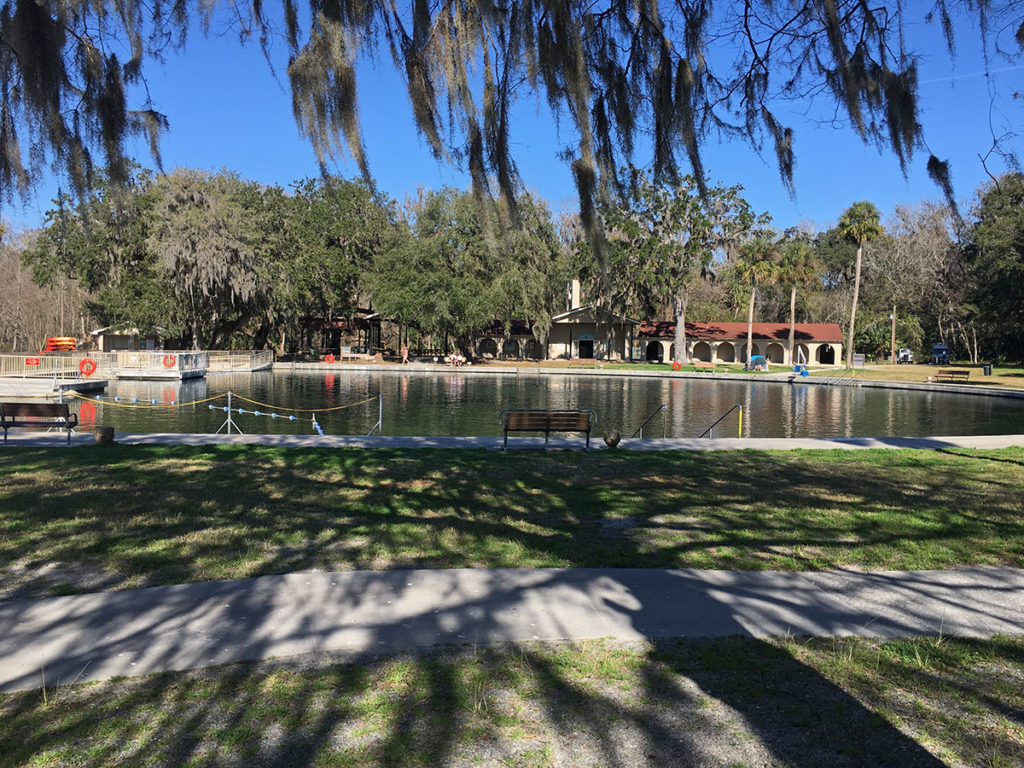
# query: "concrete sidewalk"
{"type": "Point", "coordinates": [516, 443]}
{"type": "Point", "coordinates": [136, 632]}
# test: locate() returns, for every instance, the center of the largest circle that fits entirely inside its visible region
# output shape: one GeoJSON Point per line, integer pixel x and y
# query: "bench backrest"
{"type": "Point", "coordinates": [526, 420]}
{"type": "Point", "coordinates": [569, 421]}
{"type": "Point", "coordinates": [542, 421]}
{"type": "Point", "coordinates": [19, 411]}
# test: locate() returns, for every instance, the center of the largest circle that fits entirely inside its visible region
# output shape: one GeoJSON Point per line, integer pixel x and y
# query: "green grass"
{"type": "Point", "coordinates": [1002, 376]}
{"type": "Point", "coordinates": [730, 701]}
{"type": "Point", "coordinates": [111, 516]}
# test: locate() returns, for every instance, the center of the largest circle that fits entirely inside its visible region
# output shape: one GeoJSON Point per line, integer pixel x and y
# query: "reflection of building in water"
{"type": "Point", "coordinates": [816, 343]}
{"type": "Point", "coordinates": [456, 388]}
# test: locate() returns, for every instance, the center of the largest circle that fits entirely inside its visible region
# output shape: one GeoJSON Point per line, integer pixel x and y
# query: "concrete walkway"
{"type": "Point", "coordinates": [136, 632]}
{"type": "Point", "coordinates": [989, 442]}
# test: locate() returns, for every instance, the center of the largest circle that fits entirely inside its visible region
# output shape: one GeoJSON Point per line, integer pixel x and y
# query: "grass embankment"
{"type": "Point", "coordinates": [1011, 378]}
{"type": "Point", "coordinates": [106, 517]}
{"type": "Point", "coordinates": [728, 702]}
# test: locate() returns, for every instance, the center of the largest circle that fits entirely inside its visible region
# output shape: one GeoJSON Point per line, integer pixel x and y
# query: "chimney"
{"type": "Point", "coordinates": [574, 295]}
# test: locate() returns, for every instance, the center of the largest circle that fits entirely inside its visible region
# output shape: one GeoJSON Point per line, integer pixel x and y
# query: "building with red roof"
{"type": "Point", "coordinates": [814, 343]}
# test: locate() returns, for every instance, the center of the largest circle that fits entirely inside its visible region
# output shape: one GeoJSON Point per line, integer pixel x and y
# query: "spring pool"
{"type": "Point", "coordinates": [458, 403]}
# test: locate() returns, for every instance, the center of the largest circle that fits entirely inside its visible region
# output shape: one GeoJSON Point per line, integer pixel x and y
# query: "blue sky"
{"type": "Point", "coordinates": [227, 111]}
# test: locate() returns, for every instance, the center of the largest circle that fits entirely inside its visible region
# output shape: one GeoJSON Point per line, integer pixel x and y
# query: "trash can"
{"type": "Point", "coordinates": [986, 369]}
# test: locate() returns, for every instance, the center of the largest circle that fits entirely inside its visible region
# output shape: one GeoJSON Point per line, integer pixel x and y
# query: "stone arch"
{"type": "Point", "coordinates": [702, 351]}
{"type": "Point", "coordinates": [672, 351]}
{"type": "Point", "coordinates": [487, 348]}
{"type": "Point", "coordinates": [532, 349]}
{"type": "Point", "coordinates": [825, 355]}
{"type": "Point", "coordinates": [510, 348]}
{"type": "Point", "coordinates": [653, 351]}
{"type": "Point", "coordinates": [775, 353]}
{"type": "Point", "coordinates": [726, 352]}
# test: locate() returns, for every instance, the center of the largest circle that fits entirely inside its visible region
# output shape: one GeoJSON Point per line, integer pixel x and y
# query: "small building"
{"type": "Point", "coordinates": [591, 332]}
{"type": "Point", "coordinates": [516, 342]}
{"type": "Point", "coordinates": [121, 338]}
{"type": "Point", "coordinates": [815, 343]}
{"type": "Point", "coordinates": [361, 330]}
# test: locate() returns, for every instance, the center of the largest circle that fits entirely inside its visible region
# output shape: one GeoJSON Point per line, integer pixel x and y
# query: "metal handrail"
{"type": "Point", "coordinates": [640, 430]}
{"type": "Point", "coordinates": [709, 432]}
{"type": "Point", "coordinates": [844, 378]}
{"type": "Point", "coordinates": [379, 426]}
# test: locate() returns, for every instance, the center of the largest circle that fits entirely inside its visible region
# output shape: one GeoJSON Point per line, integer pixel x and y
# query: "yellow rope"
{"type": "Point", "coordinates": [150, 406]}
{"type": "Point", "coordinates": [303, 410]}
{"type": "Point", "coordinates": [215, 397]}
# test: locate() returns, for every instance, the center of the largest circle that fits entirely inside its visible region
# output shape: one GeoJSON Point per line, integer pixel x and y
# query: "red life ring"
{"type": "Point", "coordinates": [676, 365]}
{"type": "Point", "coordinates": [169, 361]}
{"type": "Point", "coordinates": [329, 358]}
{"type": "Point", "coordinates": [87, 367]}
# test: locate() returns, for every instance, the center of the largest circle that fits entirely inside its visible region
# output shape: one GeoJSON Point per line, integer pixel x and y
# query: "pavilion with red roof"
{"type": "Point", "coordinates": [814, 343]}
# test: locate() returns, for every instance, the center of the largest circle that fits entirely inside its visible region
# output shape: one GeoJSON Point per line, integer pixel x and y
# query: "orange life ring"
{"type": "Point", "coordinates": [676, 365]}
{"type": "Point", "coordinates": [329, 358]}
{"type": "Point", "coordinates": [87, 367]}
{"type": "Point", "coordinates": [169, 361]}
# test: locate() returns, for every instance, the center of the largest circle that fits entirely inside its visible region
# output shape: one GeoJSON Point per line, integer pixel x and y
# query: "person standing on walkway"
{"type": "Point", "coordinates": [405, 354]}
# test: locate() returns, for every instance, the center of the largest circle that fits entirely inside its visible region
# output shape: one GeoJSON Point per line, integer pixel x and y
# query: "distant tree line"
{"type": "Point", "coordinates": [211, 260]}
{"type": "Point", "coordinates": [928, 273]}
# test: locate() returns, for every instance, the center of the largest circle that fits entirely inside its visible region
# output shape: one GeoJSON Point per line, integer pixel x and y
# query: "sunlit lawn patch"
{"type": "Point", "coordinates": [129, 515]}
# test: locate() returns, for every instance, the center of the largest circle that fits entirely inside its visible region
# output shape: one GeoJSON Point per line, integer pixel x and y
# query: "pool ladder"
{"type": "Point", "coordinates": [661, 408]}
{"type": "Point", "coordinates": [709, 432]}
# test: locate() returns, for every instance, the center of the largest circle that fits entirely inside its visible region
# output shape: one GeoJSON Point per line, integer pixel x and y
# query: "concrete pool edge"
{"type": "Point", "coordinates": [985, 442]}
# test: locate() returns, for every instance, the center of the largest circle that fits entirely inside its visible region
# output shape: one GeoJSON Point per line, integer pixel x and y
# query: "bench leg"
{"type": "Point", "coordinates": [505, 447]}
{"type": "Point", "coordinates": [588, 441]}
{"type": "Point", "coordinates": [546, 441]}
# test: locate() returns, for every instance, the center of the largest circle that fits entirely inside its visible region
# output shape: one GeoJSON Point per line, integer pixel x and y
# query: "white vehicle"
{"type": "Point", "coordinates": [904, 356]}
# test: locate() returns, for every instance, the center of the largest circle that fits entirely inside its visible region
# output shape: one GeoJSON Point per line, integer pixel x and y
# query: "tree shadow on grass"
{"type": "Point", "coordinates": [555, 703]}
{"type": "Point", "coordinates": [152, 515]}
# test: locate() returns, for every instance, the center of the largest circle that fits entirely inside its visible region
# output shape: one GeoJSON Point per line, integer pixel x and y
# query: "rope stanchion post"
{"type": "Point", "coordinates": [228, 422]}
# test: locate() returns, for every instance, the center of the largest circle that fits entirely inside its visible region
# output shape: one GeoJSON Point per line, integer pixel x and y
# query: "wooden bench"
{"type": "Point", "coordinates": [547, 422]}
{"type": "Point", "coordinates": [953, 374]}
{"type": "Point", "coordinates": [700, 365]}
{"type": "Point", "coordinates": [37, 415]}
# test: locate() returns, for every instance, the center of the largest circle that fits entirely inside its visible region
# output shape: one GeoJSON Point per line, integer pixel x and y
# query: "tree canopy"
{"type": "Point", "coordinates": [620, 74]}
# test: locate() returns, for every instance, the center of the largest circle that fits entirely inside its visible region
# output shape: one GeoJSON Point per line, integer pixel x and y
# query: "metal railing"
{"type": "Point", "coordinates": [248, 360]}
{"type": "Point", "coordinates": [67, 364]}
{"type": "Point", "coordinates": [661, 408]}
{"type": "Point", "coordinates": [844, 379]}
{"type": "Point", "coordinates": [709, 431]}
{"type": "Point", "coordinates": [379, 426]}
{"type": "Point", "coordinates": [161, 360]}
{"type": "Point", "coordinates": [39, 366]}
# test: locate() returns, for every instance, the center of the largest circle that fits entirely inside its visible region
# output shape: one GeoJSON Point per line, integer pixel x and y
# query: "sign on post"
{"type": "Point", "coordinates": [858, 361]}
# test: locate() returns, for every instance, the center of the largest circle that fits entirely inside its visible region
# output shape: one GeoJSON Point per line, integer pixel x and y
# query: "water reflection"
{"type": "Point", "coordinates": [468, 404]}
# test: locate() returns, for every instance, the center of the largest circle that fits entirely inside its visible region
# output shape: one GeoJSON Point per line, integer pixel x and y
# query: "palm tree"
{"type": "Point", "coordinates": [859, 224]}
{"type": "Point", "coordinates": [798, 266]}
{"type": "Point", "coordinates": [757, 264]}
